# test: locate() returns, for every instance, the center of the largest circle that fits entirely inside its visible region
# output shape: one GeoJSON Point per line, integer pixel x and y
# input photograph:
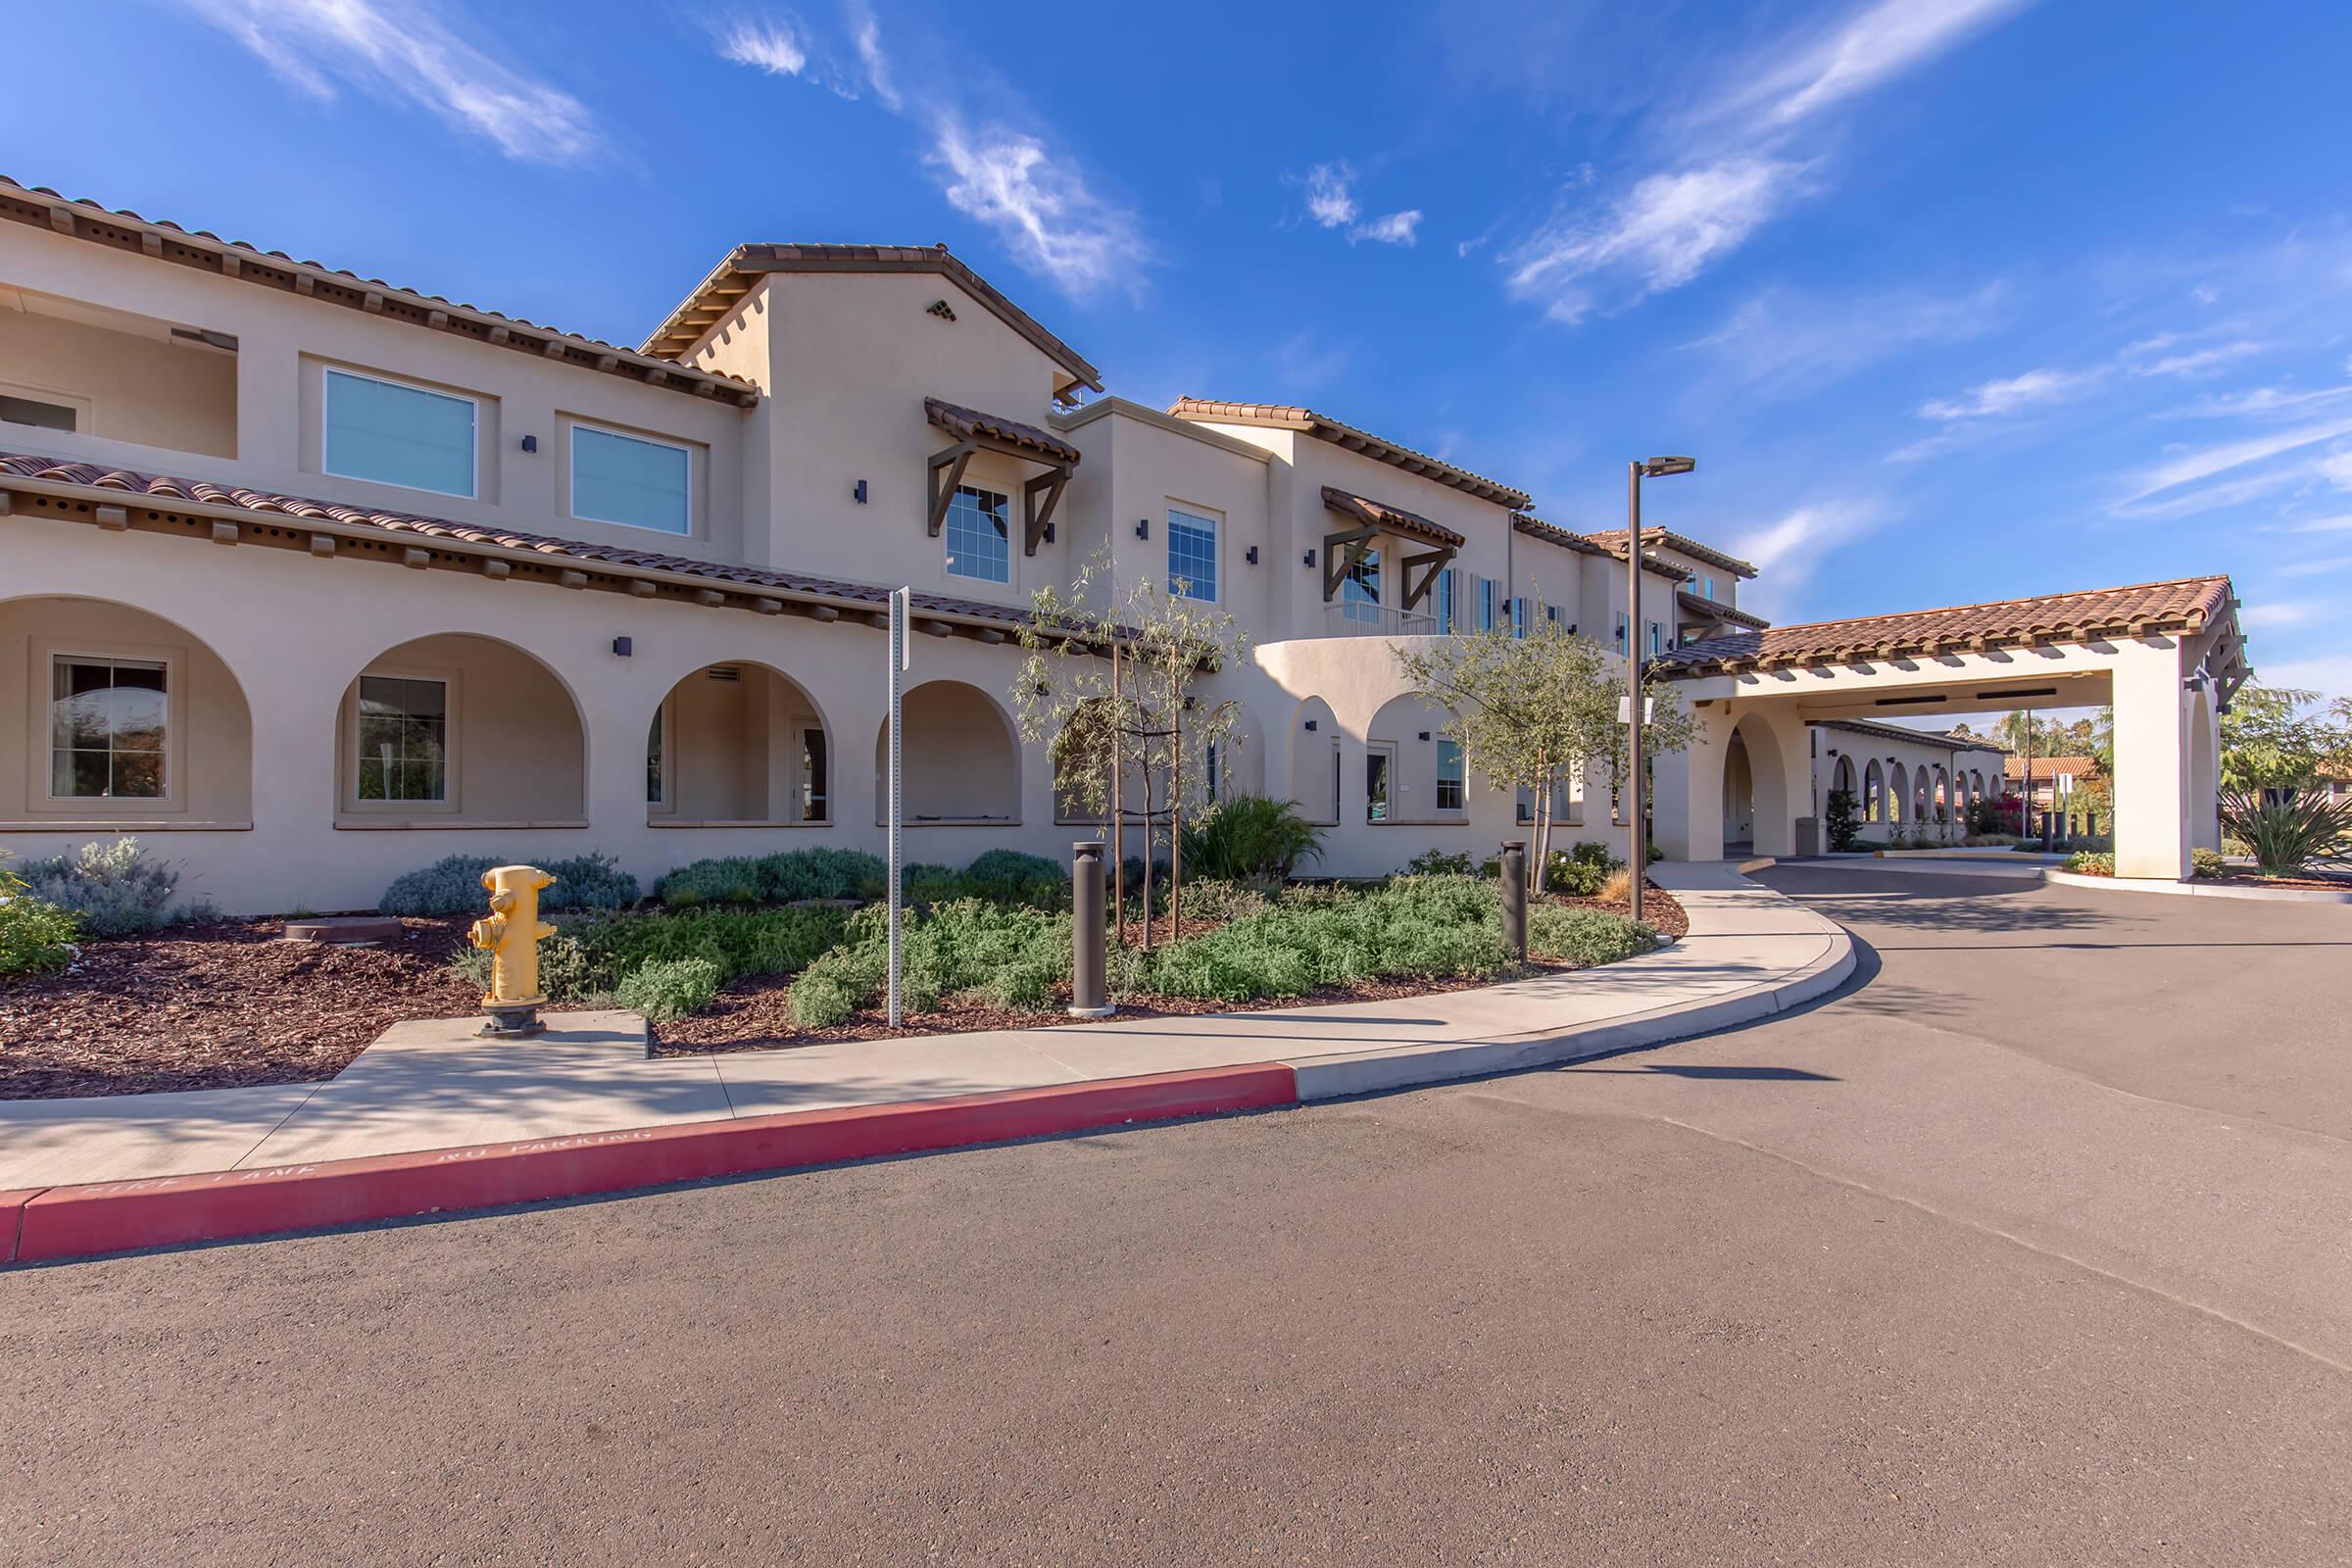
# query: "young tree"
{"type": "Point", "coordinates": [1111, 688]}
{"type": "Point", "coordinates": [1529, 712]}
{"type": "Point", "coordinates": [2275, 737]}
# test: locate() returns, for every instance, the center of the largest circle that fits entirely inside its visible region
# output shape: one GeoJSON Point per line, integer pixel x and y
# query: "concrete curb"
{"type": "Point", "coordinates": [61, 1222]}
{"type": "Point", "coordinates": [2199, 890]}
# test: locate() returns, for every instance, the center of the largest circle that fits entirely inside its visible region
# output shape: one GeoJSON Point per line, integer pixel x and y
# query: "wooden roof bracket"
{"type": "Point", "coordinates": [1343, 552]}
{"type": "Point", "coordinates": [1037, 520]}
{"type": "Point", "coordinates": [1434, 561]}
{"type": "Point", "coordinates": [953, 459]}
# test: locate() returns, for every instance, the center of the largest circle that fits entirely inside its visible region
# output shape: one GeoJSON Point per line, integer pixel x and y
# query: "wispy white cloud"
{"type": "Point", "coordinates": [764, 45]}
{"type": "Point", "coordinates": [1734, 162]}
{"type": "Point", "coordinates": [1784, 341]}
{"type": "Point", "coordinates": [2178, 485]}
{"type": "Point", "coordinates": [1788, 551]}
{"type": "Point", "coordinates": [2193, 362]}
{"type": "Point", "coordinates": [2330, 674]}
{"type": "Point", "coordinates": [2263, 400]}
{"type": "Point", "coordinates": [407, 52]}
{"type": "Point", "coordinates": [1328, 201]}
{"type": "Point", "coordinates": [1655, 238]}
{"type": "Point", "coordinates": [2342, 525]}
{"type": "Point", "coordinates": [2275, 612]}
{"type": "Point", "coordinates": [1037, 200]}
{"type": "Point", "coordinates": [1398, 228]}
{"type": "Point", "coordinates": [1993, 399]}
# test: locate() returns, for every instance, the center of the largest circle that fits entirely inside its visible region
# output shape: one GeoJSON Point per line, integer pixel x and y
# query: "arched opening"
{"type": "Point", "coordinates": [1898, 796]}
{"type": "Point", "coordinates": [738, 744]}
{"type": "Point", "coordinates": [460, 729]}
{"type": "Point", "coordinates": [2200, 800]}
{"type": "Point", "coordinates": [960, 761]}
{"type": "Point", "coordinates": [1941, 806]}
{"type": "Point", "coordinates": [1412, 773]}
{"type": "Point", "coordinates": [1311, 761]}
{"type": "Point", "coordinates": [1873, 793]}
{"type": "Point", "coordinates": [1755, 791]}
{"type": "Point", "coordinates": [121, 716]}
{"type": "Point", "coordinates": [1738, 797]}
{"type": "Point", "coordinates": [1842, 777]}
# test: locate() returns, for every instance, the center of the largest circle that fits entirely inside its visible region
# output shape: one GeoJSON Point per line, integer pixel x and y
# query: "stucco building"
{"type": "Point", "coordinates": [309, 579]}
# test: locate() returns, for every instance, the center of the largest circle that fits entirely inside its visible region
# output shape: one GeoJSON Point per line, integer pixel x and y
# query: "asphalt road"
{"type": "Point", "coordinates": [2029, 1249]}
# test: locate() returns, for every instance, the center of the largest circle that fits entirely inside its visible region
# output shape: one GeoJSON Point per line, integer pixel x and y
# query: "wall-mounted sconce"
{"type": "Point", "coordinates": [1250, 555]}
{"type": "Point", "coordinates": [857, 492]}
{"type": "Point", "coordinates": [530, 443]}
{"type": "Point", "coordinates": [1049, 533]}
{"type": "Point", "coordinates": [1309, 726]}
{"type": "Point", "coordinates": [1142, 527]}
{"type": "Point", "coordinates": [1310, 558]}
{"type": "Point", "coordinates": [623, 647]}
{"type": "Point", "coordinates": [1425, 734]}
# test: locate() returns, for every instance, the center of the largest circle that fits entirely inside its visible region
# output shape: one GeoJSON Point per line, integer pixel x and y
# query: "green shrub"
{"type": "Point", "coordinates": [673, 989]}
{"type": "Point", "coordinates": [1211, 898]}
{"type": "Point", "coordinates": [821, 1001]}
{"type": "Point", "coordinates": [36, 937]}
{"type": "Point", "coordinates": [111, 886]}
{"type": "Point", "coordinates": [926, 883]}
{"type": "Point", "coordinates": [2090, 863]}
{"type": "Point", "coordinates": [1436, 862]}
{"type": "Point", "coordinates": [2207, 864]}
{"type": "Point", "coordinates": [1843, 819]}
{"type": "Point", "coordinates": [729, 879]}
{"type": "Point", "coordinates": [452, 884]}
{"type": "Point", "coordinates": [2284, 836]}
{"type": "Point", "coordinates": [821, 873]}
{"type": "Point", "coordinates": [586, 882]}
{"type": "Point", "coordinates": [1250, 838]}
{"type": "Point", "coordinates": [1585, 937]}
{"type": "Point", "coordinates": [738, 942]}
{"type": "Point", "coordinates": [1439, 926]}
{"type": "Point", "coordinates": [1014, 957]}
{"type": "Point", "coordinates": [1008, 876]}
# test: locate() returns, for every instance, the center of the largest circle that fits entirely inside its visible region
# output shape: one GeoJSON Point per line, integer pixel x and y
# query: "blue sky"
{"type": "Point", "coordinates": [1953, 298]}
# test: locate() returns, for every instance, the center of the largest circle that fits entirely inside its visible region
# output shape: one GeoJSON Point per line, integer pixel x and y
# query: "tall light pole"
{"type": "Point", "coordinates": [1637, 836]}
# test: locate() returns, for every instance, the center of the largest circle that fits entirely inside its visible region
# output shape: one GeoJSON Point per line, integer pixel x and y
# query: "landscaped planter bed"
{"type": "Point", "coordinates": [225, 1004]}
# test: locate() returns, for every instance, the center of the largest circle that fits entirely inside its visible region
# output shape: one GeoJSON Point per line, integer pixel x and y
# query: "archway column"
{"type": "Point", "coordinates": [2151, 762]}
{"type": "Point", "coordinates": [1687, 789]}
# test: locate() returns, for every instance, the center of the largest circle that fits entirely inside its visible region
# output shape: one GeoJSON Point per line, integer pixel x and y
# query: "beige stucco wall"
{"type": "Point", "coordinates": [134, 387]}
{"type": "Point", "coordinates": [282, 341]}
{"type": "Point", "coordinates": [516, 749]}
{"type": "Point", "coordinates": [209, 746]}
{"type": "Point", "coordinates": [733, 749]}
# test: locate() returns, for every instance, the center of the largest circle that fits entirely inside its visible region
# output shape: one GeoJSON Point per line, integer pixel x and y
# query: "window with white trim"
{"type": "Point", "coordinates": [1452, 778]}
{"type": "Point", "coordinates": [1359, 590]}
{"type": "Point", "coordinates": [979, 534]}
{"type": "Point", "coordinates": [395, 434]}
{"type": "Point", "coordinates": [631, 480]}
{"type": "Point", "coordinates": [1192, 554]}
{"type": "Point", "coordinates": [110, 722]}
{"type": "Point", "coordinates": [403, 739]}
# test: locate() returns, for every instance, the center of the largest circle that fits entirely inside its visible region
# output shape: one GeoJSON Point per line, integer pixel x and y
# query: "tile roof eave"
{"type": "Point", "coordinates": [116, 487]}
{"type": "Point", "coordinates": [1614, 539]}
{"type": "Point", "coordinates": [1339, 433]}
{"type": "Point", "coordinates": [156, 238]}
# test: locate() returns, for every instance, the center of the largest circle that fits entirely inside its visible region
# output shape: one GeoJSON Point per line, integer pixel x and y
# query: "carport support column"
{"type": "Point", "coordinates": [1687, 791]}
{"type": "Point", "coordinates": [2151, 762]}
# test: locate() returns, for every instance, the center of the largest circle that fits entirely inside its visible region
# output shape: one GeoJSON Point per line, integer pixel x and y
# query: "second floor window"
{"type": "Point", "coordinates": [1486, 604]}
{"type": "Point", "coordinates": [1446, 591]}
{"type": "Point", "coordinates": [1360, 592]}
{"type": "Point", "coordinates": [394, 434]}
{"type": "Point", "coordinates": [978, 535]}
{"type": "Point", "coordinates": [1451, 778]}
{"type": "Point", "coordinates": [1707, 584]}
{"type": "Point", "coordinates": [629, 480]}
{"type": "Point", "coordinates": [1192, 554]}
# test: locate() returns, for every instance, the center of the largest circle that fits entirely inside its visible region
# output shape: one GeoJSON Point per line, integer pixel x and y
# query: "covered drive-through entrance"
{"type": "Point", "coordinates": [2167, 656]}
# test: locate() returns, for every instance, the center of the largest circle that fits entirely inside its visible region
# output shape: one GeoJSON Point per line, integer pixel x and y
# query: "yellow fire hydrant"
{"type": "Point", "coordinates": [512, 935]}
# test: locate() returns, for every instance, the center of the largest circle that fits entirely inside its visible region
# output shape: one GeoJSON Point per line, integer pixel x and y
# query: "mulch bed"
{"type": "Point", "coordinates": [220, 1005]}
{"type": "Point", "coordinates": [227, 1006]}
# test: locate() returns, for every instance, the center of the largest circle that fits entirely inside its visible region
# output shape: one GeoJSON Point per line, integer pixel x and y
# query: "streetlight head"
{"type": "Point", "coordinates": [1659, 467]}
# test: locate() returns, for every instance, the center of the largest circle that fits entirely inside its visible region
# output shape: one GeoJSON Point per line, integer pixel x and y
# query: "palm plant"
{"type": "Point", "coordinates": [1250, 838]}
{"type": "Point", "coordinates": [2286, 835]}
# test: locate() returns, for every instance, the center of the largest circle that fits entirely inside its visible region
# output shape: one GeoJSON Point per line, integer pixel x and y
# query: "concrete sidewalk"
{"type": "Point", "coordinates": [1749, 953]}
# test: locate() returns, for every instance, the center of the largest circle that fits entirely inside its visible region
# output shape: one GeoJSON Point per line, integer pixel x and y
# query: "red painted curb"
{"type": "Point", "coordinates": [12, 1218]}
{"type": "Point", "coordinates": [116, 1216]}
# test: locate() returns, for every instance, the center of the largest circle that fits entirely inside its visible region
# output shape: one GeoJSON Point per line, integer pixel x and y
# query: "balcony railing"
{"type": "Point", "coordinates": [1357, 619]}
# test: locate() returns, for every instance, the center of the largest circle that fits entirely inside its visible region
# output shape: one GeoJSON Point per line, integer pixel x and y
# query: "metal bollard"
{"type": "Point", "coordinates": [1515, 900]}
{"type": "Point", "coordinates": [1089, 994]}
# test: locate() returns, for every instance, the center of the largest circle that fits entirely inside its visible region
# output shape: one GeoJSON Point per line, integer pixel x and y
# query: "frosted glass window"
{"type": "Point", "coordinates": [396, 434]}
{"type": "Point", "coordinates": [623, 479]}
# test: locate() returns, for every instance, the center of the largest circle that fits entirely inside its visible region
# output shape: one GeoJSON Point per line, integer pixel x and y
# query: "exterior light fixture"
{"type": "Point", "coordinates": [857, 492]}
{"type": "Point", "coordinates": [1250, 555]}
{"type": "Point", "coordinates": [1309, 726]}
{"type": "Point", "coordinates": [1638, 835]}
{"type": "Point", "coordinates": [1660, 467]}
{"type": "Point", "coordinates": [1425, 734]}
{"type": "Point", "coordinates": [530, 443]}
{"type": "Point", "coordinates": [1142, 527]}
{"type": "Point", "coordinates": [623, 647]}
{"type": "Point", "coordinates": [1310, 558]}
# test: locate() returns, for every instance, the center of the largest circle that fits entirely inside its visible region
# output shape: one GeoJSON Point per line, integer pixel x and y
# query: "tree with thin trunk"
{"type": "Point", "coordinates": [1141, 718]}
{"type": "Point", "coordinates": [1529, 712]}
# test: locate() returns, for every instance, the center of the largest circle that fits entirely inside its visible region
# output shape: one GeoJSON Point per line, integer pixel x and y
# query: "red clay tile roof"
{"type": "Point", "coordinates": [1552, 534]}
{"type": "Point", "coordinates": [1380, 514]}
{"type": "Point", "coordinates": [113, 486]}
{"type": "Point", "coordinates": [1716, 609]}
{"type": "Point", "coordinates": [1613, 541]}
{"type": "Point", "coordinates": [1290, 417]}
{"type": "Point", "coordinates": [2186, 603]}
{"type": "Point", "coordinates": [2046, 768]}
{"type": "Point", "coordinates": [742, 269]}
{"type": "Point", "coordinates": [959, 421]}
{"type": "Point", "coordinates": [1903, 732]}
{"type": "Point", "coordinates": [42, 208]}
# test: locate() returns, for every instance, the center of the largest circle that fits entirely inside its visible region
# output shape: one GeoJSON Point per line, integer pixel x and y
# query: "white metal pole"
{"type": "Point", "coordinates": [900, 605]}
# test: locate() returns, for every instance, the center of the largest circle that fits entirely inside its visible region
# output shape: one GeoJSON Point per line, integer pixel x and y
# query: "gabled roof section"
{"type": "Point", "coordinates": [1903, 732]}
{"type": "Point", "coordinates": [40, 207]}
{"type": "Point", "coordinates": [1290, 417]}
{"type": "Point", "coordinates": [1717, 610]}
{"type": "Point", "coordinates": [2046, 768]}
{"type": "Point", "coordinates": [1613, 540]}
{"type": "Point", "coordinates": [1395, 519]}
{"type": "Point", "coordinates": [737, 276]}
{"type": "Point", "coordinates": [1552, 534]}
{"type": "Point", "coordinates": [2186, 603]}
